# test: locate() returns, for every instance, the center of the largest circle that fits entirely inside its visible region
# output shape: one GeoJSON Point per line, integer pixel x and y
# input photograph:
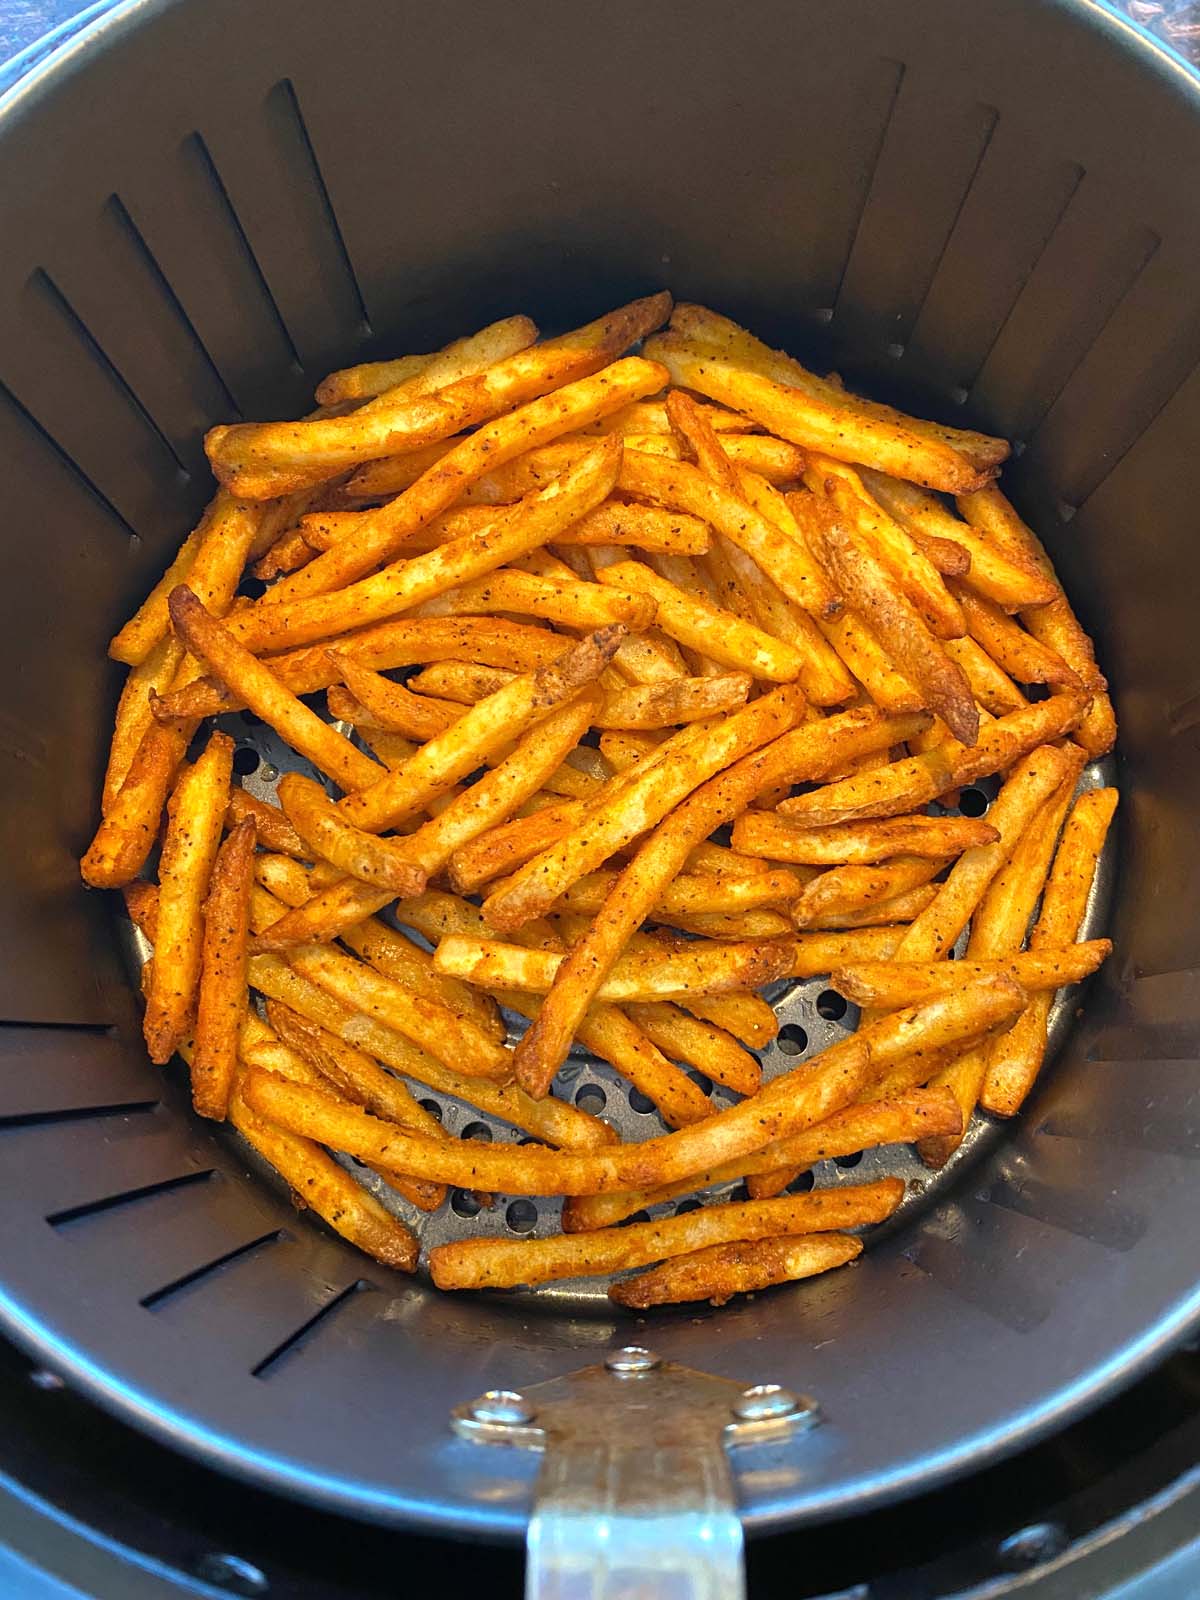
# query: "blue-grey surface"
{"type": "Point", "coordinates": [24, 21]}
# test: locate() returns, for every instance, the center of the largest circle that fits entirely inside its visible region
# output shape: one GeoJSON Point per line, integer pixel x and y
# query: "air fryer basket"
{"type": "Point", "coordinates": [976, 211]}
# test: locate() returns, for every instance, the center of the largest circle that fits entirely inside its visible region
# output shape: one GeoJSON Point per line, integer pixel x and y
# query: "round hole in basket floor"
{"type": "Point", "coordinates": [477, 1130]}
{"type": "Point", "coordinates": [702, 1083]}
{"type": "Point", "coordinates": [793, 1040]}
{"type": "Point", "coordinates": [252, 588]}
{"type": "Point", "coordinates": [641, 1103]}
{"type": "Point", "coordinates": [802, 1184]}
{"type": "Point", "coordinates": [521, 1216]}
{"type": "Point", "coordinates": [973, 802]}
{"type": "Point", "coordinates": [851, 1160]}
{"type": "Point", "coordinates": [245, 760]}
{"type": "Point", "coordinates": [830, 1005]}
{"type": "Point", "coordinates": [432, 1107]}
{"type": "Point", "coordinates": [591, 1097]}
{"type": "Point", "coordinates": [463, 1203]}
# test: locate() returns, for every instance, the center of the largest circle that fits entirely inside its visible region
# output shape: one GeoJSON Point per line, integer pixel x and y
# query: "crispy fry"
{"type": "Point", "coordinates": [992, 687]}
{"type": "Point", "coordinates": [189, 850]}
{"type": "Point", "coordinates": [699, 1044]}
{"type": "Point", "coordinates": [381, 862]}
{"type": "Point", "coordinates": [720, 1271]}
{"type": "Point", "coordinates": [504, 1263]}
{"type": "Point", "coordinates": [135, 714]}
{"type": "Point", "coordinates": [260, 460]}
{"type": "Point", "coordinates": [1000, 921]}
{"type": "Point", "coordinates": [837, 428]}
{"type": "Point", "coordinates": [843, 890]}
{"type": "Point", "coordinates": [392, 705]}
{"type": "Point", "coordinates": [1014, 1062]}
{"type": "Point", "coordinates": [885, 915]}
{"type": "Point", "coordinates": [644, 527]}
{"type": "Point", "coordinates": [905, 785]}
{"type": "Point", "coordinates": [221, 997]}
{"type": "Point", "coordinates": [693, 892]}
{"type": "Point", "coordinates": [129, 827]}
{"type": "Point", "coordinates": [422, 374]}
{"type": "Point", "coordinates": [920, 1112]}
{"type": "Point", "coordinates": [255, 683]}
{"type": "Point", "coordinates": [854, 644]}
{"type": "Point", "coordinates": [667, 705]}
{"type": "Point", "coordinates": [894, 620]}
{"type": "Point", "coordinates": [1032, 781]}
{"type": "Point", "coordinates": [1012, 649]}
{"type": "Point", "coordinates": [888, 985]}
{"type": "Point", "coordinates": [763, 833]}
{"type": "Point", "coordinates": [1055, 625]}
{"type": "Point", "coordinates": [578, 605]}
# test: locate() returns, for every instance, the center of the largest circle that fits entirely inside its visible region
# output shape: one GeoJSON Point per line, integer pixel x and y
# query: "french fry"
{"type": "Point", "coordinates": [391, 705]}
{"type": "Point", "coordinates": [650, 416]}
{"type": "Point", "coordinates": [189, 850]}
{"type": "Point", "coordinates": [1014, 1062]}
{"type": "Point", "coordinates": [706, 968]}
{"type": "Point", "coordinates": [894, 620]}
{"type": "Point", "coordinates": [422, 374]}
{"type": "Point", "coordinates": [764, 833]}
{"type": "Point", "coordinates": [643, 527]}
{"type": "Point", "coordinates": [694, 622]}
{"type": "Point", "coordinates": [509, 845]}
{"type": "Point", "coordinates": [1031, 782]}
{"type": "Point", "coordinates": [740, 925]}
{"type": "Point", "coordinates": [1016, 652]}
{"type": "Point", "coordinates": [221, 995]}
{"type": "Point", "coordinates": [698, 1044]}
{"type": "Point", "coordinates": [801, 753]}
{"type": "Point", "coordinates": [720, 1271]}
{"type": "Point", "coordinates": [275, 625]}
{"type": "Point", "coordinates": [383, 863]}
{"type": "Point", "coordinates": [260, 460]}
{"type": "Point", "coordinates": [691, 893]}
{"type": "Point", "coordinates": [704, 327]}
{"type": "Point", "coordinates": [135, 713]}
{"type": "Point", "coordinates": [667, 705]}
{"type": "Point", "coordinates": [680, 765]}
{"type": "Point", "coordinates": [836, 428]}
{"type": "Point", "coordinates": [990, 684]}
{"type": "Point", "coordinates": [682, 487]}
{"type": "Point", "coordinates": [854, 644]}
{"type": "Point", "coordinates": [888, 985]}
{"type": "Point", "coordinates": [886, 916]}
{"type": "Point", "coordinates": [1000, 921]}
{"type": "Point", "coordinates": [919, 1113]}
{"type": "Point", "coordinates": [747, 1017]}
{"type": "Point", "coordinates": [843, 890]}
{"type": "Point", "coordinates": [318, 1182]}
{"type": "Point", "coordinates": [579, 605]}
{"type": "Point", "coordinates": [1055, 625]}
{"type": "Point", "coordinates": [946, 556]}
{"type": "Point", "coordinates": [505, 1263]}
{"type": "Point", "coordinates": [891, 545]}
{"type": "Point", "coordinates": [254, 683]}
{"type": "Point", "coordinates": [905, 785]}
{"type": "Point", "coordinates": [1010, 585]}
{"type": "Point", "coordinates": [289, 553]}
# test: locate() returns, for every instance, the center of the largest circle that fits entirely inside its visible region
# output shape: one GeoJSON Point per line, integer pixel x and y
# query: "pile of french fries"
{"type": "Point", "coordinates": [637, 600]}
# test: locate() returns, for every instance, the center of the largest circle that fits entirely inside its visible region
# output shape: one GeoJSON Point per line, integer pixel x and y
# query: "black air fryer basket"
{"type": "Point", "coordinates": [975, 211]}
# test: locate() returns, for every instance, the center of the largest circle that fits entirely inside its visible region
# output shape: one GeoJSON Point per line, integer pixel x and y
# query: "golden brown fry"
{"type": "Point", "coordinates": [1011, 585]}
{"type": "Point", "coordinates": [668, 705]}
{"type": "Point", "coordinates": [720, 1271]}
{"type": "Point", "coordinates": [1012, 649]}
{"type": "Point", "coordinates": [384, 863]}
{"type": "Point", "coordinates": [699, 1044]}
{"type": "Point", "coordinates": [839, 428]}
{"type": "Point", "coordinates": [888, 985]}
{"type": "Point", "coordinates": [394, 707]}
{"type": "Point", "coordinates": [871, 590]}
{"type": "Point", "coordinates": [189, 850]}
{"type": "Point", "coordinates": [289, 553]}
{"type": "Point", "coordinates": [1030, 784]}
{"type": "Point", "coordinates": [918, 1113]}
{"type": "Point", "coordinates": [221, 997]}
{"type": "Point", "coordinates": [578, 605]}
{"type": "Point", "coordinates": [504, 1263]}
{"type": "Point", "coordinates": [644, 527]}
{"type": "Point", "coordinates": [854, 644]}
{"type": "Point", "coordinates": [691, 893]}
{"type": "Point", "coordinates": [1055, 625]}
{"type": "Point", "coordinates": [705, 967]}
{"type": "Point", "coordinates": [129, 827]}
{"type": "Point", "coordinates": [764, 833]}
{"type": "Point", "coordinates": [905, 785]}
{"type": "Point", "coordinates": [992, 687]}
{"type": "Point", "coordinates": [885, 916]}
{"type": "Point", "coordinates": [135, 713]}
{"type": "Point", "coordinates": [1000, 921]}
{"type": "Point", "coordinates": [423, 374]}
{"type": "Point", "coordinates": [254, 683]}
{"type": "Point", "coordinates": [1014, 1062]}
{"type": "Point", "coordinates": [844, 890]}
{"type": "Point", "coordinates": [260, 460]}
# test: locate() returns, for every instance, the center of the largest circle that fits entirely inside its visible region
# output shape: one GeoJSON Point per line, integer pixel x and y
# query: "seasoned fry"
{"type": "Point", "coordinates": [621, 522]}
{"type": "Point", "coordinates": [1012, 649]}
{"type": "Point", "coordinates": [904, 785]}
{"type": "Point", "coordinates": [888, 985]}
{"type": "Point", "coordinates": [699, 1044]}
{"type": "Point", "coordinates": [720, 1271]}
{"type": "Point", "coordinates": [221, 997]}
{"type": "Point", "coordinates": [261, 460]}
{"type": "Point", "coordinates": [884, 915]}
{"type": "Point", "coordinates": [1031, 783]}
{"type": "Point", "coordinates": [843, 890]}
{"type": "Point", "coordinates": [992, 687]}
{"type": "Point", "coordinates": [382, 862]}
{"type": "Point", "coordinates": [920, 1112]}
{"type": "Point", "coordinates": [1000, 922]}
{"type": "Point", "coordinates": [667, 705]}
{"type": "Point", "coordinates": [579, 605]}
{"type": "Point", "coordinates": [390, 705]}
{"type": "Point", "coordinates": [189, 850]}
{"type": "Point", "coordinates": [421, 374]}
{"type": "Point", "coordinates": [856, 646]}
{"type": "Point", "coordinates": [135, 714]}
{"type": "Point", "coordinates": [764, 833]}
{"type": "Point", "coordinates": [254, 683]}
{"type": "Point", "coordinates": [692, 893]}
{"type": "Point", "coordinates": [505, 1263]}
{"type": "Point", "coordinates": [1014, 1062]}
{"type": "Point", "coordinates": [834, 427]}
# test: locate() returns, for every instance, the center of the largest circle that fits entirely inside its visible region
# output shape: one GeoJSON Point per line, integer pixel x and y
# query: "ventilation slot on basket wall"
{"type": "Point", "coordinates": [303, 1336]}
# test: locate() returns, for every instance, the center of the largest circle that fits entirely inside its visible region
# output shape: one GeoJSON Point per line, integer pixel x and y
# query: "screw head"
{"type": "Point", "coordinates": [501, 1406]}
{"type": "Point", "coordinates": [764, 1402]}
{"type": "Point", "coordinates": [632, 1358]}
{"type": "Point", "coordinates": [1030, 1546]}
{"type": "Point", "coordinates": [231, 1572]}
